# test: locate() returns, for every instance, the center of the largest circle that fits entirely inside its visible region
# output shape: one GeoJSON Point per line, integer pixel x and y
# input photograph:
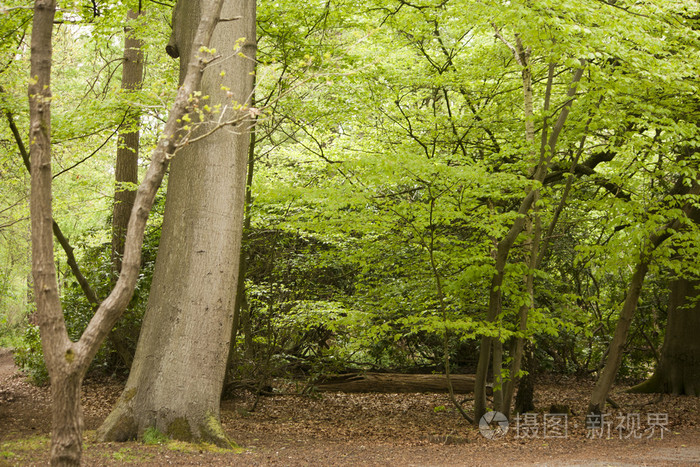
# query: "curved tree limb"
{"type": "Point", "coordinates": [58, 233]}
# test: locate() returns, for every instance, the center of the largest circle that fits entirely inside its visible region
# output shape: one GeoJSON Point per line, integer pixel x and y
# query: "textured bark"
{"type": "Point", "coordinates": [66, 439]}
{"type": "Point", "coordinates": [615, 349]}
{"type": "Point", "coordinates": [177, 377]}
{"type": "Point", "coordinates": [241, 303]}
{"type": "Point", "coordinates": [126, 167]}
{"type": "Point", "coordinates": [679, 368]}
{"type": "Point", "coordinates": [395, 383]}
{"type": "Point", "coordinates": [67, 361]}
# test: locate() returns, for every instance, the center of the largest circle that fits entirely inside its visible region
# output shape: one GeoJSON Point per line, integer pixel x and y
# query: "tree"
{"type": "Point", "coordinates": [126, 165]}
{"type": "Point", "coordinates": [68, 361]}
{"type": "Point", "coordinates": [178, 372]}
{"type": "Point", "coordinates": [678, 370]}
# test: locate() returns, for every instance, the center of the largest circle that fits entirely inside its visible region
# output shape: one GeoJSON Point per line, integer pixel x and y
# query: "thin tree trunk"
{"type": "Point", "coordinates": [522, 56]}
{"type": "Point", "coordinates": [616, 347]}
{"type": "Point", "coordinates": [538, 251]}
{"type": "Point", "coordinates": [497, 364]}
{"type": "Point", "coordinates": [607, 376]}
{"type": "Point", "coordinates": [126, 167]}
{"type": "Point", "coordinates": [505, 245]}
{"type": "Point", "coordinates": [519, 342]}
{"type": "Point", "coordinates": [241, 305]}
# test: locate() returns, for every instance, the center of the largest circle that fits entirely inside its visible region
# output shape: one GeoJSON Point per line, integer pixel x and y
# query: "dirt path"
{"type": "Point", "coordinates": [7, 365]}
{"type": "Point", "coordinates": [359, 429]}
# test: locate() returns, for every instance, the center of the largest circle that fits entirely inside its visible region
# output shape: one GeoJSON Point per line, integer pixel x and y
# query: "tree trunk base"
{"type": "Point", "coordinates": [652, 385]}
{"type": "Point", "coordinates": [121, 425]}
{"type": "Point", "coordinates": [67, 430]}
{"type": "Point", "coordinates": [665, 384]}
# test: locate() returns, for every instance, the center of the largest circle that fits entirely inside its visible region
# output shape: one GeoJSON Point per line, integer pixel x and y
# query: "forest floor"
{"type": "Point", "coordinates": [371, 429]}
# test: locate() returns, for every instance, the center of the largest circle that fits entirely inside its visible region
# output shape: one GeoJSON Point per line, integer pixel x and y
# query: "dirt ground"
{"type": "Point", "coordinates": [373, 429]}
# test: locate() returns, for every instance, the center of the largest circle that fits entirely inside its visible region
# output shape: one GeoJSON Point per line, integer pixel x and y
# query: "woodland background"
{"type": "Point", "coordinates": [395, 153]}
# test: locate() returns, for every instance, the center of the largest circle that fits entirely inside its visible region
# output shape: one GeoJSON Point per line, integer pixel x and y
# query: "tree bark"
{"type": "Point", "coordinates": [678, 371]}
{"type": "Point", "coordinates": [126, 166]}
{"type": "Point", "coordinates": [68, 361]}
{"type": "Point", "coordinates": [607, 376]}
{"type": "Point", "coordinates": [241, 303]}
{"type": "Point", "coordinates": [66, 436]}
{"type": "Point", "coordinates": [177, 377]}
{"type": "Point", "coordinates": [505, 244]}
{"type": "Point", "coordinates": [615, 349]}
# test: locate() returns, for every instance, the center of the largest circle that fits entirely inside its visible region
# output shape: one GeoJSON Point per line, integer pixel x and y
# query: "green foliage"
{"type": "Point", "coordinates": [411, 168]}
{"type": "Point", "coordinates": [154, 436]}
{"type": "Point", "coordinates": [30, 357]}
{"type": "Point", "coordinates": [97, 266]}
{"type": "Point", "coordinates": [394, 162]}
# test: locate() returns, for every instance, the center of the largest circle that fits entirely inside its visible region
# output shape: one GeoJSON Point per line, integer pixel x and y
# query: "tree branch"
{"type": "Point", "coordinates": [62, 240]}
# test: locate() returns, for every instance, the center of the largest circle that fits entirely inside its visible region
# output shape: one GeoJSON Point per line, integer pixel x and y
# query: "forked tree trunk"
{"type": "Point", "coordinates": [68, 361]}
{"type": "Point", "coordinates": [177, 377]}
{"type": "Point", "coordinates": [505, 244]}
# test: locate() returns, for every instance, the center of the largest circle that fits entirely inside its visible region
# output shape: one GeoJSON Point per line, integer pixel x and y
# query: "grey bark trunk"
{"type": "Point", "coordinates": [67, 361]}
{"type": "Point", "coordinates": [679, 368]}
{"type": "Point", "coordinates": [178, 372]}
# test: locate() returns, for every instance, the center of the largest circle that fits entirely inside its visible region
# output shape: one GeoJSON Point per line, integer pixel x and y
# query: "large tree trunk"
{"type": "Point", "coordinates": [68, 361]}
{"type": "Point", "coordinates": [679, 368]}
{"type": "Point", "coordinates": [178, 372]}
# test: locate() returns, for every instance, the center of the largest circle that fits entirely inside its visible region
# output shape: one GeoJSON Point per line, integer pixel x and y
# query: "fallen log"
{"type": "Point", "coordinates": [394, 382]}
